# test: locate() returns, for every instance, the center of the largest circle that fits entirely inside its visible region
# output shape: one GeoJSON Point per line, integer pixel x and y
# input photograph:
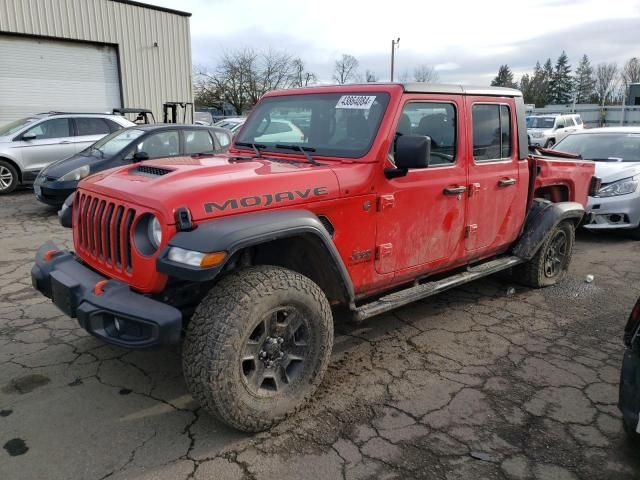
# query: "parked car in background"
{"type": "Point", "coordinates": [30, 144]}
{"type": "Point", "coordinates": [60, 179]}
{"type": "Point", "coordinates": [547, 130]}
{"type": "Point", "coordinates": [202, 118]}
{"type": "Point", "coordinates": [616, 151]}
{"type": "Point", "coordinates": [232, 124]}
{"type": "Point", "coordinates": [629, 393]}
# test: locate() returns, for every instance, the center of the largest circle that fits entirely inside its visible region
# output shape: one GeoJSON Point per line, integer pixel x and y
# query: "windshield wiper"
{"type": "Point", "coordinates": [257, 147]}
{"type": "Point", "coordinates": [608, 159]}
{"type": "Point", "coordinates": [302, 149]}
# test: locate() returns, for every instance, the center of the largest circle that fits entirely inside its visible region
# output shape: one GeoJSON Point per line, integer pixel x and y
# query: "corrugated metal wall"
{"type": "Point", "coordinates": [150, 75]}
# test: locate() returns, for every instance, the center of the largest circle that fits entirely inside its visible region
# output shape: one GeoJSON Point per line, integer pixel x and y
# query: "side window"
{"type": "Point", "coordinates": [197, 141]}
{"type": "Point", "coordinates": [162, 144]}
{"type": "Point", "coordinates": [91, 126]}
{"type": "Point", "coordinates": [568, 122]}
{"type": "Point", "coordinates": [578, 120]}
{"type": "Point", "coordinates": [491, 132]}
{"type": "Point", "coordinates": [54, 128]}
{"type": "Point", "coordinates": [223, 139]}
{"type": "Point", "coordinates": [436, 120]}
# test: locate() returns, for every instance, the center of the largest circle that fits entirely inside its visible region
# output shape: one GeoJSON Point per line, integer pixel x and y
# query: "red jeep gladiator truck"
{"type": "Point", "coordinates": [362, 196]}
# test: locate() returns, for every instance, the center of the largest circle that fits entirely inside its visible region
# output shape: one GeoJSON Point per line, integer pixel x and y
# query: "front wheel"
{"type": "Point", "coordinates": [550, 143]}
{"type": "Point", "coordinates": [8, 177]}
{"type": "Point", "coordinates": [549, 265]}
{"type": "Point", "coordinates": [257, 346]}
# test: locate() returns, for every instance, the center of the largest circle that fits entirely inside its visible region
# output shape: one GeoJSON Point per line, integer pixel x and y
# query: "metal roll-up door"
{"type": "Point", "coordinates": [41, 75]}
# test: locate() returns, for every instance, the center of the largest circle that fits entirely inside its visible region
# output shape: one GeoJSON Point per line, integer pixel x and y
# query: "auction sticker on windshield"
{"type": "Point", "coordinates": [357, 102]}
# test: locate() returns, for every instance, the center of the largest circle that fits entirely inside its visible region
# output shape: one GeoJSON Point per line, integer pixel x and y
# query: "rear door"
{"type": "Point", "coordinates": [54, 141]}
{"type": "Point", "coordinates": [88, 131]}
{"type": "Point", "coordinates": [495, 197]}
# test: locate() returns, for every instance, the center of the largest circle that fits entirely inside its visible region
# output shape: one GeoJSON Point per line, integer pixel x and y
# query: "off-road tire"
{"type": "Point", "coordinates": [222, 326]}
{"type": "Point", "coordinates": [7, 170]}
{"type": "Point", "coordinates": [532, 273]}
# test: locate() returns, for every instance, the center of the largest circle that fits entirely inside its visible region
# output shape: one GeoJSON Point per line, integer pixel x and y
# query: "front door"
{"type": "Point", "coordinates": [421, 215]}
{"type": "Point", "coordinates": [496, 199]}
{"type": "Point", "coordinates": [53, 141]}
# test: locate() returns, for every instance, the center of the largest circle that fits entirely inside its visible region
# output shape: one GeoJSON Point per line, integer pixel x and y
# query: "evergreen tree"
{"type": "Point", "coordinates": [537, 87]}
{"type": "Point", "coordinates": [526, 87]}
{"type": "Point", "coordinates": [544, 97]}
{"type": "Point", "coordinates": [584, 83]}
{"type": "Point", "coordinates": [504, 78]}
{"type": "Point", "coordinates": [560, 84]}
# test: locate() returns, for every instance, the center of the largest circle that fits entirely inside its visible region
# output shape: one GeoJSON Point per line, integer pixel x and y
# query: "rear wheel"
{"type": "Point", "coordinates": [8, 177]}
{"type": "Point", "coordinates": [257, 346]}
{"type": "Point", "coordinates": [549, 265]}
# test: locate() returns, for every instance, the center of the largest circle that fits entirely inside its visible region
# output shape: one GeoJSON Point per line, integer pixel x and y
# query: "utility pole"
{"type": "Point", "coordinates": [394, 45]}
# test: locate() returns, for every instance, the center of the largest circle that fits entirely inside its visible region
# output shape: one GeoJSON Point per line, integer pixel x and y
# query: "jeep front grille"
{"type": "Point", "coordinates": [104, 231]}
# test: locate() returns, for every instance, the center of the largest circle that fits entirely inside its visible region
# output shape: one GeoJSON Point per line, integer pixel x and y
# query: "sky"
{"type": "Point", "coordinates": [465, 41]}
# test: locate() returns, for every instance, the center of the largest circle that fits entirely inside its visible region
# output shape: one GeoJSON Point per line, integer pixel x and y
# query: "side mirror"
{"type": "Point", "coordinates": [412, 151]}
{"type": "Point", "coordinates": [140, 156]}
{"type": "Point", "coordinates": [28, 136]}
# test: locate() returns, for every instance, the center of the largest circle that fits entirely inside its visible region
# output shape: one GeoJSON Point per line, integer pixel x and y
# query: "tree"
{"type": "Point", "coordinates": [302, 77]}
{"type": "Point", "coordinates": [404, 76]}
{"type": "Point", "coordinates": [504, 78]}
{"type": "Point", "coordinates": [370, 76]}
{"type": "Point", "coordinates": [584, 82]}
{"type": "Point", "coordinates": [606, 82]}
{"type": "Point", "coordinates": [560, 84]}
{"type": "Point", "coordinates": [526, 87]}
{"type": "Point", "coordinates": [345, 69]}
{"type": "Point", "coordinates": [425, 74]}
{"type": "Point", "coordinates": [631, 71]}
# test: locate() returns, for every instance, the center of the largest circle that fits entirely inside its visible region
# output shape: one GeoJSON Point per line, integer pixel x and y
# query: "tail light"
{"type": "Point", "coordinates": [631, 329]}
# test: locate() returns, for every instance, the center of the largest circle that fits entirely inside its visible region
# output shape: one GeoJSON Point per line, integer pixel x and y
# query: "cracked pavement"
{"type": "Point", "coordinates": [471, 383]}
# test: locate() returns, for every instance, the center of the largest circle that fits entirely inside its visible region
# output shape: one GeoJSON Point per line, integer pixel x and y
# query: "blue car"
{"type": "Point", "coordinates": [143, 142]}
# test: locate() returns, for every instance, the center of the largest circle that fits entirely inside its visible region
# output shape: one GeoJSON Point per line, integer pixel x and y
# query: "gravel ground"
{"type": "Point", "coordinates": [473, 383]}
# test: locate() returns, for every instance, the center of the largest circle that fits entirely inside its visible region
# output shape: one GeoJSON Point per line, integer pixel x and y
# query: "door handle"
{"type": "Point", "coordinates": [454, 190]}
{"type": "Point", "coordinates": [505, 182]}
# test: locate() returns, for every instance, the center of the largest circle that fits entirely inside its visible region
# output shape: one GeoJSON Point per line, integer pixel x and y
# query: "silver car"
{"type": "Point", "coordinates": [30, 144]}
{"type": "Point", "coordinates": [616, 151]}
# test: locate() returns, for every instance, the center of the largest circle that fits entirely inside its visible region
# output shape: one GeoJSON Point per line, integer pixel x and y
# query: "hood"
{"type": "Point", "coordinates": [613, 171]}
{"type": "Point", "coordinates": [215, 186]}
{"type": "Point", "coordinates": [66, 165]}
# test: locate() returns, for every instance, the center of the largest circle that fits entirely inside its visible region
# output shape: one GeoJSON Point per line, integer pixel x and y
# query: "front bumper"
{"type": "Point", "coordinates": [619, 212]}
{"type": "Point", "coordinates": [629, 396]}
{"type": "Point", "coordinates": [113, 313]}
{"type": "Point", "coordinates": [53, 192]}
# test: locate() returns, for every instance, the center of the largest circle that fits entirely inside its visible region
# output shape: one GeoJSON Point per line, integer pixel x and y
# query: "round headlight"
{"type": "Point", "coordinates": [155, 232]}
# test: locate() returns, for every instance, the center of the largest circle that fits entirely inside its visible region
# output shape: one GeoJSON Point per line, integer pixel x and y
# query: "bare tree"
{"type": "Point", "coordinates": [425, 74]}
{"type": "Point", "coordinates": [606, 80]}
{"type": "Point", "coordinates": [302, 77]}
{"type": "Point", "coordinates": [404, 76]}
{"type": "Point", "coordinates": [370, 76]}
{"type": "Point", "coordinates": [345, 69]}
{"type": "Point", "coordinates": [631, 71]}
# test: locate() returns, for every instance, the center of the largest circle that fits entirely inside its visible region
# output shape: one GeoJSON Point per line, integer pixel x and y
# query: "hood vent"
{"type": "Point", "coordinates": [150, 171]}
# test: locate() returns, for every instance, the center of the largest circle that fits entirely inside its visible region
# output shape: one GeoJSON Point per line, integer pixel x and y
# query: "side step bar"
{"type": "Point", "coordinates": [424, 290]}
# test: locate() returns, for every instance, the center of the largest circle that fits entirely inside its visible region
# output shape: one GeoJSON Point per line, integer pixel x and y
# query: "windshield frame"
{"type": "Point", "coordinates": [612, 158]}
{"type": "Point", "coordinates": [18, 125]}
{"type": "Point", "coordinates": [382, 101]}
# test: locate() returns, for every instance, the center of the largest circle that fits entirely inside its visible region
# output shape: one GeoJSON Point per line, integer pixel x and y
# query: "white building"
{"type": "Point", "coordinates": [91, 56]}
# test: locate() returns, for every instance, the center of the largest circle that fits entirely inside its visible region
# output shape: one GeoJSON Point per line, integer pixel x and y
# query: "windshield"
{"type": "Point", "coordinates": [611, 147]}
{"type": "Point", "coordinates": [13, 127]}
{"type": "Point", "coordinates": [114, 143]}
{"type": "Point", "coordinates": [540, 122]}
{"type": "Point", "coordinates": [332, 124]}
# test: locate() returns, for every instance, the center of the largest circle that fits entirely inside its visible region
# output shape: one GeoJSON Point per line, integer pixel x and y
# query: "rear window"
{"type": "Point", "coordinates": [197, 141]}
{"type": "Point", "coordinates": [578, 120]}
{"type": "Point", "coordinates": [491, 132]}
{"type": "Point", "coordinates": [91, 126]}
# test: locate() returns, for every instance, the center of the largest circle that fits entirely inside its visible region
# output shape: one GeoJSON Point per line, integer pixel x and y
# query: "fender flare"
{"type": "Point", "coordinates": [232, 234]}
{"type": "Point", "coordinates": [541, 219]}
